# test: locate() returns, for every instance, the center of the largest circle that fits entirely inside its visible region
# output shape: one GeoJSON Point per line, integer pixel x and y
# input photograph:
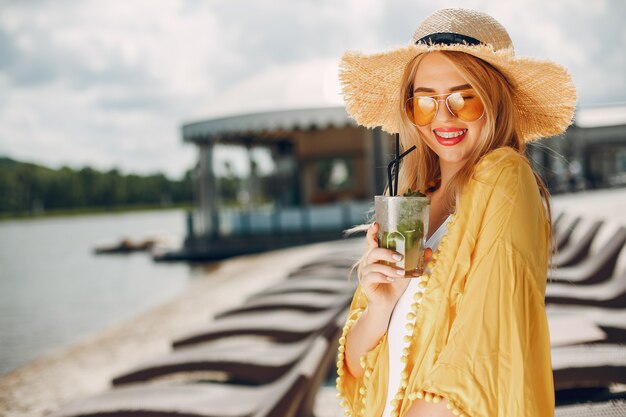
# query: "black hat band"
{"type": "Point", "coordinates": [448, 38]}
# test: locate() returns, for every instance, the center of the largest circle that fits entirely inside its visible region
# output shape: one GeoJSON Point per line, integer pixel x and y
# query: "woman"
{"type": "Point", "coordinates": [470, 336]}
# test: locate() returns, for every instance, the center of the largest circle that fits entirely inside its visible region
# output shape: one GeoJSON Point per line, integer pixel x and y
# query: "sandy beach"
{"type": "Point", "coordinates": [87, 367]}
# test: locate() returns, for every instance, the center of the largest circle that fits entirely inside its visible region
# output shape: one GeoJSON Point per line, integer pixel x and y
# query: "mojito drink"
{"type": "Point", "coordinates": [403, 221]}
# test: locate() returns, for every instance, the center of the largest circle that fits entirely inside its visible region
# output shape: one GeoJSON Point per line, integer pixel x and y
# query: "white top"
{"type": "Point", "coordinates": [396, 329]}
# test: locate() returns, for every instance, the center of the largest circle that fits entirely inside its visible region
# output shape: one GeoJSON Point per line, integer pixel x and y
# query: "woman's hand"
{"type": "Point", "coordinates": [383, 284]}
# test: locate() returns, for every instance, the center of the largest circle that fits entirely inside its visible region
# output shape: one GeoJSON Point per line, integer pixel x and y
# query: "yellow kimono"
{"type": "Point", "coordinates": [480, 336]}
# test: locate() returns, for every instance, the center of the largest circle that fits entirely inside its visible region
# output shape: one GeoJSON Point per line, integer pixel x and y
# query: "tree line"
{"type": "Point", "coordinates": [27, 188]}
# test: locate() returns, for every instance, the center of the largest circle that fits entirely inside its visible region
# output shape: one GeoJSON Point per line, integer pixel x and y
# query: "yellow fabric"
{"type": "Point", "coordinates": [480, 337]}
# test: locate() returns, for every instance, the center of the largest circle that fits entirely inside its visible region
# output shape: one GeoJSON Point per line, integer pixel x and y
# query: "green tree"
{"type": "Point", "coordinates": [30, 188]}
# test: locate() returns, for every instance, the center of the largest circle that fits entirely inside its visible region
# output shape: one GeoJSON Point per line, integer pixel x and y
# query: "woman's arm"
{"type": "Point", "coordinates": [365, 335]}
{"type": "Point", "coordinates": [382, 288]}
{"type": "Point", "coordinates": [421, 408]}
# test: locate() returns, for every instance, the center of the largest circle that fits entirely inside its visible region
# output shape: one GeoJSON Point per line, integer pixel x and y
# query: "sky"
{"type": "Point", "coordinates": [109, 83]}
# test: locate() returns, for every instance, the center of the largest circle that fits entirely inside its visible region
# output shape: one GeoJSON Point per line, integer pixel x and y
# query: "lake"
{"type": "Point", "coordinates": [55, 291]}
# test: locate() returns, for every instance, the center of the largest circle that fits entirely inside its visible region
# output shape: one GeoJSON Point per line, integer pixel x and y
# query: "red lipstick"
{"type": "Point", "coordinates": [449, 136]}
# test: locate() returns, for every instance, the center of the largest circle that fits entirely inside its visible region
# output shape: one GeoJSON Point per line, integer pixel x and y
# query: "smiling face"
{"type": "Point", "coordinates": [451, 138]}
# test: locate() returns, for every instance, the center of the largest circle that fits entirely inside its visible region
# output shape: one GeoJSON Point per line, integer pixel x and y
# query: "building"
{"type": "Point", "coordinates": [327, 171]}
{"type": "Point", "coordinates": [591, 154]}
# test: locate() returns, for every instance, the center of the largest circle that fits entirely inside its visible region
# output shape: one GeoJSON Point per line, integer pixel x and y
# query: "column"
{"type": "Point", "coordinates": [369, 150]}
{"type": "Point", "coordinates": [376, 160]}
{"type": "Point", "coordinates": [252, 184]}
{"type": "Point", "coordinates": [209, 199]}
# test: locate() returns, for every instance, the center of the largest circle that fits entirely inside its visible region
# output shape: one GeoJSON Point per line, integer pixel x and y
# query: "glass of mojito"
{"type": "Point", "coordinates": [403, 221]}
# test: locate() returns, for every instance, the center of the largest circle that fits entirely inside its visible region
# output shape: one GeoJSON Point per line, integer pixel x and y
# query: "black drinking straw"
{"type": "Point", "coordinates": [397, 165]}
{"type": "Point", "coordinates": [394, 167]}
{"type": "Point", "coordinates": [390, 177]}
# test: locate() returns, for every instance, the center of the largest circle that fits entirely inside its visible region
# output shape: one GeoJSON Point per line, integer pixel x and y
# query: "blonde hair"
{"type": "Point", "coordinates": [421, 167]}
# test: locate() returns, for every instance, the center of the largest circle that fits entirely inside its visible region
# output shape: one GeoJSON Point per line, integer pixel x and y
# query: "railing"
{"type": "Point", "coordinates": [337, 216]}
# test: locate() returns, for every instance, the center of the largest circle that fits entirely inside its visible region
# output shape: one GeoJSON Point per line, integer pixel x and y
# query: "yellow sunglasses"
{"type": "Point", "coordinates": [466, 105]}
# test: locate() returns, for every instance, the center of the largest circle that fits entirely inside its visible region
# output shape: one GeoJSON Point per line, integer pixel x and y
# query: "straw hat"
{"type": "Point", "coordinates": [544, 93]}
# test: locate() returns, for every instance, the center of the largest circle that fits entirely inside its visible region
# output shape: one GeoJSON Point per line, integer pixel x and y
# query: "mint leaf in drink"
{"type": "Point", "coordinates": [411, 193]}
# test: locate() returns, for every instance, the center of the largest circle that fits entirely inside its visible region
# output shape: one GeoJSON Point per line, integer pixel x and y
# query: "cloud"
{"type": "Point", "coordinates": [302, 84]}
{"type": "Point", "coordinates": [586, 37]}
{"type": "Point", "coordinates": [109, 83]}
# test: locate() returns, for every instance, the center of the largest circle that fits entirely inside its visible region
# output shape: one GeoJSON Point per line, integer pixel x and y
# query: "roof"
{"type": "Point", "coordinates": [610, 115]}
{"type": "Point", "coordinates": [266, 122]}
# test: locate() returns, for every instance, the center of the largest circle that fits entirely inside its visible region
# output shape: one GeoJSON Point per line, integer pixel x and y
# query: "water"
{"type": "Point", "coordinates": [55, 291]}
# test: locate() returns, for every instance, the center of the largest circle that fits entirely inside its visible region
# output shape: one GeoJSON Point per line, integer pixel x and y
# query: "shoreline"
{"type": "Point", "coordinates": [87, 367]}
{"type": "Point", "coordinates": [91, 211]}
